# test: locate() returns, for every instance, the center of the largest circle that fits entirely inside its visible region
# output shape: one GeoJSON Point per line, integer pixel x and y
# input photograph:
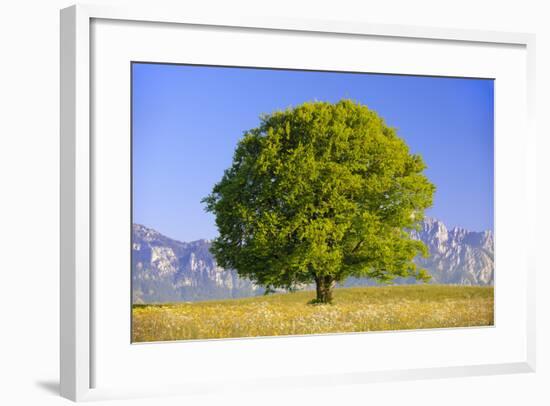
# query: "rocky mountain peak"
{"type": "Point", "coordinates": [167, 270]}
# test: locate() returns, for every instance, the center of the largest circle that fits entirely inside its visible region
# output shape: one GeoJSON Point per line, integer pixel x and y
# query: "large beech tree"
{"type": "Point", "coordinates": [318, 193]}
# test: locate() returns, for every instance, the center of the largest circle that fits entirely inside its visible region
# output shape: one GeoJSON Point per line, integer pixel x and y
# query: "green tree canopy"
{"type": "Point", "coordinates": [318, 193]}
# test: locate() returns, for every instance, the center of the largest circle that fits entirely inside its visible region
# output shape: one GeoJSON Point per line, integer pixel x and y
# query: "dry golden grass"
{"type": "Point", "coordinates": [354, 310]}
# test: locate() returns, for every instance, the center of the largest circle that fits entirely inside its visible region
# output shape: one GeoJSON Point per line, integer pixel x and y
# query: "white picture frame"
{"type": "Point", "coordinates": [77, 216]}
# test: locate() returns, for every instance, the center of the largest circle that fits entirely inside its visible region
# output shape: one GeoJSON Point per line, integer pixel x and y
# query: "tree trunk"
{"type": "Point", "coordinates": [324, 285]}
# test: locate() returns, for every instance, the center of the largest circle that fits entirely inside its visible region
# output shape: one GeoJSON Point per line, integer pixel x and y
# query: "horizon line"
{"type": "Point", "coordinates": [210, 239]}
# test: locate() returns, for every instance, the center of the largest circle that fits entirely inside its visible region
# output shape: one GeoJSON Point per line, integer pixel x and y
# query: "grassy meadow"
{"type": "Point", "coordinates": [354, 310]}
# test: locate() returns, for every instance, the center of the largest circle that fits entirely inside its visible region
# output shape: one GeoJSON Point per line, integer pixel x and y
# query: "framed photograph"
{"type": "Point", "coordinates": [277, 203]}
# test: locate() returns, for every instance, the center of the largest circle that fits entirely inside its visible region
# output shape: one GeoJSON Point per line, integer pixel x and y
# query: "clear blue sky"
{"type": "Point", "coordinates": [187, 121]}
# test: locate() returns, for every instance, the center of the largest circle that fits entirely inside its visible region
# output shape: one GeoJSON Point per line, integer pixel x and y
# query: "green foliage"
{"type": "Point", "coordinates": [318, 193]}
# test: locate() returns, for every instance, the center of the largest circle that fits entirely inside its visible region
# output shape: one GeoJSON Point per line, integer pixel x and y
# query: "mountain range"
{"type": "Point", "coordinates": [167, 270]}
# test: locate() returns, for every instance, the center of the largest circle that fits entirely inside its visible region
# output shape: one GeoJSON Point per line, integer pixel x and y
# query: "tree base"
{"type": "Point", "coordinates": [317, 302]}
{"type": "Point", "coordinates": [324, 286]}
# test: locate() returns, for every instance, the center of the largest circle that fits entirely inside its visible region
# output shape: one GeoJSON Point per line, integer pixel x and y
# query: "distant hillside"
{"type": "Point", "coordinates": [166, 270]}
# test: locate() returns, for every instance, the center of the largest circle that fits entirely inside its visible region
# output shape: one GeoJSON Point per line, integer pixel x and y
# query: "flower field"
{"type": "Point", "coordinates": [358, 309]}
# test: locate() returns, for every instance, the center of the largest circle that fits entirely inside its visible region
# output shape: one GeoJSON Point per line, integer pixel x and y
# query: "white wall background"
{"type": "Point", "coordinates": [29, 203]}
